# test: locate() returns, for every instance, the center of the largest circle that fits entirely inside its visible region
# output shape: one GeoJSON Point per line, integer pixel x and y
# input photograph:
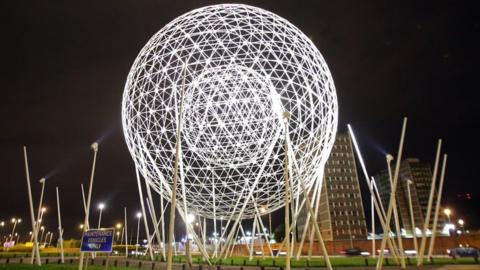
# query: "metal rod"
{"type": "Point", "coordinates": [94, 147]}
{"type": "Point", "coordinates": [429, 206]}
{"type": "Point", "coordinates": [437, 207]}
{"type": "Point", "coordinates": [60, 230]}
{"type": "Point", "coordinates": [32, 215]}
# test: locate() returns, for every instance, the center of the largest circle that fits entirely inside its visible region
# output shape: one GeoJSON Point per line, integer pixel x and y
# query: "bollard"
{"type": "Point", "coordinates": [476, 259]}
{"type": "Point", "coordinates": [231, 262]}
{"type": "Point", "coordinates": [366, 261]}
{"type": "Point", "coordinates": [218, 267]}
{"type": "Point", "coordinates": [200, 267]}
{"type": "Point", "coordinates": [46, 261]}
{"type": "Point", "coordinates": [281, 268]}
{"type": "Point", "coordinates": [244, 262]}
{"type": "Point", "coordinates": [258, 263]}
{"type": "Point", "coordinates": [59, 261]}
{"type": "Point", "coordinates": [386, 261]}
{"type": "Point", "coordinates": [262, 268]}
{"type": "Point", "coordinates": [408, 261]}
{"type": "Point", "coordinates": [308, 263]}
{"type": "Point", "coordinates": [7, 261]}
{"type": "Point", "coordinates": [71, 261]}
{"type": "Point", "coordinates": [127, 263]}
{"type": "Point", "coordinates": [104, 262]}
{"type": "Point", "coordinates": [183, 266]}
{"type": "Point", "coordinates": [21, 260]}
{"type": "Point", "coordinates": [140, 264]}
{"type": "Point", "coordinates": [115, 263]}
{"type": "Point", "coordinates": [431, 260]}
{"type": "Point", "coordinates": [153, 265]}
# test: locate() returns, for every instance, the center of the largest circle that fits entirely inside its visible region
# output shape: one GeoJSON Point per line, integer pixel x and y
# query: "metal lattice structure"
{"type": "Point", "coordinates": [237, 68]}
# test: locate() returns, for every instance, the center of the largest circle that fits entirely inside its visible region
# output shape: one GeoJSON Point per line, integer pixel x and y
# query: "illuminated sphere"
{"type": "Point", "coordinates": [238, 68]}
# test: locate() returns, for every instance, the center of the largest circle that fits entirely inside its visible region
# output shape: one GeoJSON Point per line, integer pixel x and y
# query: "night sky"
{"type": "Point", "coordinates": [64, 65]}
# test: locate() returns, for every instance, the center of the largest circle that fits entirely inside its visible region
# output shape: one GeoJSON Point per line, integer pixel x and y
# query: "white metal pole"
{"type": "Point", "coordinates": [138, 229]}
{"type": "Point", "coordinates": [40, 212]}
{"type": "Point", "coordinates": [32, 215]}
{"type": "Point", "coordinates": [437, 207]}
{"type": "Point", "coordinates": [144, 214]}
{"type": "Point", "coordinates": [395, 214]}
{"type": "Point", "coordinates": [378, 204]}
{"type": "Point", "coordinates": [94, 147]}
{"type": "Point", "coordinates": [286, 116]}
{"type": "Point", "coordinates": [60, 230]}
{"type": "Point", "coordinates": [412, 219]}
{"type": "Point", "coordinates": [429, 206]}
{"type": "Point", "coordinates": [100, 218]}
{"type": "Point", "coordinates": [392, 201]}
{"type": "Point", "coordinates": [372, 214]}
{"type": "Point", "coordinates": [162, 225]}
{"type": "Point", "coordinates": [126, 231]}
{"type": "Point", "coordinates": [173, 204]}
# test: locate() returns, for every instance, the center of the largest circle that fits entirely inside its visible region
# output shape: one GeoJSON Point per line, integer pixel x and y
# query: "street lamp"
{"type": "Point", "coordinates": [118, 227]}
{"type": "Point", "coordinates": [447, 212]}
{"type": "Point", "coordinates": [139, 216]}
{"type": "Point", "coordinates": [15, 221]}
{"type": "Point", "coordinates": [43, 231]}
{"type": "Point", "coordinates": [100, 207]}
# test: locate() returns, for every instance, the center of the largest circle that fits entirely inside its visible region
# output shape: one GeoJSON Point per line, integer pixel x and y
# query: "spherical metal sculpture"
{"type": "Point", "coordinates": [238, 69]}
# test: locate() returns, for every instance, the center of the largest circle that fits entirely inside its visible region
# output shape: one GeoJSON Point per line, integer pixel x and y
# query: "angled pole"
{"type": "Point", "coordinates": [60, 230]}
{"type": "Point", "coordinates": [429, 206]}
{"type": "Point", "coordinates": [395, 214]}
{"type": "Point", "coordinates": [412, 219]}
{"type": "Point", "coordinates": [372, 215]}
{"type": "Point", "coordinates": [94, 147]}
{"type": "Point", "coordinates": [32, 215]}
{"type": "Point", "coordinates": [173, 204]}
{"type": "Point", "coordinates": [372, 188]}
{"type": "Point", "coordinates": [126, 231]}
{"type": "Point", "coordinates": [144, 214]}
{"type": "Point", "coordinates": [286, 116]}
{"type": "Point", "coordinates": [437, 207]}
{"type": "Point", "coordinates": [393, 190]}
{"type": "Point", "coordinates": [40, 212]}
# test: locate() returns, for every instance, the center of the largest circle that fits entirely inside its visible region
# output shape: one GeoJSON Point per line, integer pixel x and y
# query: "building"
{"type": "Point", "coordinates": [419, 175]}
{"type": "Point", "coordinates": [341, 215]}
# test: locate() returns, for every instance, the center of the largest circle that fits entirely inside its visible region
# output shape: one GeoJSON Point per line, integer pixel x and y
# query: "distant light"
{"type": "Point", "coordinates": [101, 206]}
{"type": "Point", "coordinates": [139, 214]}
{"type": "Point", "coordinates": [190, 218]}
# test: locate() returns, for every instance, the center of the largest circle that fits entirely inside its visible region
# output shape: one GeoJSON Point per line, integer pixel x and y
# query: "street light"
{"type": "Point", "coordinates": [118, 227]}
{"type": "Point", "coordinates": [15, 221]}
{"type": "Point", "coordinates": [100, 206]}
{"type": "Point", "coordinates": [139, 216]}
{"type": "Point", "coordinates": [43, 231]}
{"type": "Point", "coordinates": [447, 212]}
{"type": "Point", "coordinates": [461, 222]}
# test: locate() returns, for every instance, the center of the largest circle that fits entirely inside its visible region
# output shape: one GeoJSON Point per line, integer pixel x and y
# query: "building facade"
{"type": "Point", "coordinates": [418, 176]}
{"type": "Point", "coordinates": [341, 215]}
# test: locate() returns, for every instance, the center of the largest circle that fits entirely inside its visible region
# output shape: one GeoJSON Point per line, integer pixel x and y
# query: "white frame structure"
{"type": "Point", "coordinates": [236, 69]}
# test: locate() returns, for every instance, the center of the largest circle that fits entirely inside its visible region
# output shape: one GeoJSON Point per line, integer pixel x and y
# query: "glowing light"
{"type": "Point", "coordinates": [239, 69]}
{"type": "Point", "coordinates": [101, 206]}
{"type": "Point", "coordinates": [139, 215]}
{"type": "Point", "coordinates": [447, 212]}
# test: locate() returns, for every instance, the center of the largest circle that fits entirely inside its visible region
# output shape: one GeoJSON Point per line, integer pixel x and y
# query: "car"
{"type": "Point", "coordinates": [355, 251]}
{"type": "Point", "coordinates": [464, 252]}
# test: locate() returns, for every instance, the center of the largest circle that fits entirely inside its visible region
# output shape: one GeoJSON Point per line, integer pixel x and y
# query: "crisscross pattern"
{"type": "Point", "coordinates": [239, 68]}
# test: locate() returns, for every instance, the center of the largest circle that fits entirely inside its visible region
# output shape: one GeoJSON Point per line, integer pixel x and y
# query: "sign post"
{"type": "Point", "coordinates": [98, 240]}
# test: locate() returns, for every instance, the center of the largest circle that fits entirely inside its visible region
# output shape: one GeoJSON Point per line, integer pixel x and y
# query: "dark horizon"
{"type": "Point", "coordinates": [65, 67]}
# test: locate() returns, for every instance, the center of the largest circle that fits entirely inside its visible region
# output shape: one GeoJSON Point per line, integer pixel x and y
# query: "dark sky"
{"type": "Point", "coordinates": [64, 65]}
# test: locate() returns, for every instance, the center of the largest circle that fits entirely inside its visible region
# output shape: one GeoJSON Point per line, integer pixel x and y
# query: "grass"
{"type": "Point", "coordinates": [56, 267]}
{"type": "Point", "coordinates": [257, 261]}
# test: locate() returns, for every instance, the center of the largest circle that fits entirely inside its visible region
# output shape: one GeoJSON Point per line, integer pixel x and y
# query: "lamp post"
{"type": "Point", "coordinates": [139, 216]}
{"type": "Point", "coordinates": [447, 213]}
{"type": "Point", "coordinates": [118, 227]}
{"type": "Point", "coordinates": [41, 237]}
{"type": "Point", "coordinates": [461, 222]}
{"type": "Point", "coordinates": [94, 147]}
{"type": "Point", "coordinates": [15, 221]}
{"type": "Point", "coordinates": [100, 207]}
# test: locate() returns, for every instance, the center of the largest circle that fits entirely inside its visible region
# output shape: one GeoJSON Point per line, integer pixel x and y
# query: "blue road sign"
{"type": "Point", "coordinates": [97, 240]}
